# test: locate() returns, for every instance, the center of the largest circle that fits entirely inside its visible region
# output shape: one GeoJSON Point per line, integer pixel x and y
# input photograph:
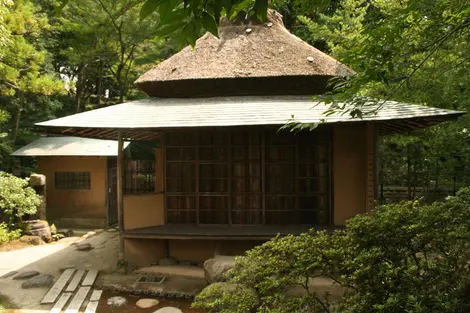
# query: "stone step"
{"type": "Point", "coordinates": [172, 270]}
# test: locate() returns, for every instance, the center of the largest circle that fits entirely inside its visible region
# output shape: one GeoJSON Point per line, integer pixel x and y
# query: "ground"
{"type": "Point", "coordinates": [14, 245]}
{"type": "Point", "coordinates": [54, 258]}
{"type": "Point", "coordinates": [51, 259]}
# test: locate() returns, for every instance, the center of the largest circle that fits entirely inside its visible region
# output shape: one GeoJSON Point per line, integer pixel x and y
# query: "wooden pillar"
{"type": "Point", "coordinates": [371, 166]}
{"type": "Point", "coordinates": [120, 199]}
{"type": "Point", "coordinates": [158, 169]}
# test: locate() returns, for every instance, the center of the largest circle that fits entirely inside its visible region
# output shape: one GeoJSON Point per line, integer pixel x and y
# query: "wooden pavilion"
{"type": "Point", "coordinates": [226, 178]}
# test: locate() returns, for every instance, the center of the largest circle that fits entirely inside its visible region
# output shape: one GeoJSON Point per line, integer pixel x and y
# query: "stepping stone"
{"type": "Point", "coordinates": [77, 301]}
{"type": "Point", "coordinates": [90, 278]}
{"type": "Point", "coordinates": [9, 274]}
{"type": "Point", "coordinates": [59, 305]}
{"type": "Point", "coordinates": [38, 281]}
{"type": "Point", "coordinates": [96, 295]}
{"type": "Point", "coordinates": [75, 281]}
{"type": "Point", "coordinates": [84, 247]}
{"type": "Point", "coordinates": [168, 309]}
{"type": "Point", "coordinates": [26, 275]}
{"type": "Point", "coordinates": [116, 301]}
{"type": "Point", "coordinates": [55, 291]}
{"type": "Point", "coordinates": [91, 307]}
{"type": "Point", "coordinates": [147, 303]}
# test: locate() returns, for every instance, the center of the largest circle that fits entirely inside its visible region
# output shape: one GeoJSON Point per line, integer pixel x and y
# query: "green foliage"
{"type": "Point", "coordinates": [399, 50]}
{"type": "Point", "coordinates": [406, 257]}
{"type": "Point", "coordinates": [411, 51]}
{"type": "Point", "coordinates": [53, 229]}
{"type": "Point", "coordinates": [16, 197]}
{"type": "Point", "coordinates": [187, 18]}
{"type": "Point", "coordinates": [21, 64]}
{"type": "Point", "coordinates": [7, 235]}
{"type": "Point", "coordinates": [226, 298]}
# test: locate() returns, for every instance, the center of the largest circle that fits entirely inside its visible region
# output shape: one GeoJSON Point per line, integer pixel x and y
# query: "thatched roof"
{"type": "Point", "coordinates": [250, 58]}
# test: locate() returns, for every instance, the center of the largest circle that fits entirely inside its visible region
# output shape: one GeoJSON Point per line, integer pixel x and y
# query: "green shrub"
{"type": "Point", "coordinates": [7, 235]}
{"type": "Point", "coordinates": [227, 298]}
{"type": "Point", "coordinates": [16, 197]}
{"type": "Point", "coordinates": [402, 258]}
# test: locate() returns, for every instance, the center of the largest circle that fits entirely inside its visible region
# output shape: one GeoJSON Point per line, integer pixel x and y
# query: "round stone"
{"type": "Point", "coordinates": [117, 301]}
{"type": "Point", "coordinates": [26, 275]}
{"type": "Point", "coordinates": [84, 247]}
{"type": "Point", "coordinates": [168, 309]}
{"type": "Point", "coordinates": [147, 303]}
{"type": "Point", "coordinates": [38, 281]}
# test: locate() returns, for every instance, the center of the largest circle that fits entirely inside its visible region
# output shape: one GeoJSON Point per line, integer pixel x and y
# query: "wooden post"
{"type": "Point", "coordinates": [120, 200]}
{"type": "Point", "coordinates": [263, 176]}
{"type": "Point", "coordinates": [371, 163]}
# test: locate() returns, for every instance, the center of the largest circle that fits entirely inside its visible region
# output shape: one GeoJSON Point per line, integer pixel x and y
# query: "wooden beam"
{"type": "Point", "coordinates": [228, 146]}
{"type": "Point", "coordinates": [197, 178]}
{"type": "Point", "coordinates": [165, 194]}
{"type": "Point", "coordinates": [120, 198]}
{"type": "Point", "coordinates": [263, 176]}
{"type": "Point", "coordinates": [296, 177]}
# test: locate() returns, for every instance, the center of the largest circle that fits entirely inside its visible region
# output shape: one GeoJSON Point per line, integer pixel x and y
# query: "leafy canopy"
{"type": "Point", "coordinates": [188, 18]}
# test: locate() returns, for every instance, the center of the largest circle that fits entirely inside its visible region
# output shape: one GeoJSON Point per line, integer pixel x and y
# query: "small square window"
{"type": "Point", "coordinates": [72, 180]}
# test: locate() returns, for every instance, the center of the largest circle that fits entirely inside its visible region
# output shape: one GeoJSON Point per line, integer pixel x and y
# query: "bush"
{"type": "Point", "coordinates": [403, 258]}
{"type": "Point", "coordinates": [16, 197]}
{"type": "Point", "coordinates": [224, 297]}
{"type": "Point", "coordinates": [7, 235]}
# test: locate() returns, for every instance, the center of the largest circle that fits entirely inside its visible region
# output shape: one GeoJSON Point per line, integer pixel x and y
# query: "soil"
{"type": "Point", "coordinates": [183, 305]}
{"type": "Point", "coordinates": [14, 245]}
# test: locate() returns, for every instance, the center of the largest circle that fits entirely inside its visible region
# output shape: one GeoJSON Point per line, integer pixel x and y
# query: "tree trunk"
{"type": "Point", "coordinates": [16, 127]}
{"type": "Point", "coordinates": [408, 162]}
{"type": "Point", "coordinates": [80, 88]}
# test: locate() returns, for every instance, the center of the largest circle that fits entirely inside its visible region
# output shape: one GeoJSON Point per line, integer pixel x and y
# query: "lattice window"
{"type": "Point", "coordinates": [139, 177]}
{"type": "Point", "coordinates": [248, 177]}
{"type": "Point", "coordinates": [72, 180]}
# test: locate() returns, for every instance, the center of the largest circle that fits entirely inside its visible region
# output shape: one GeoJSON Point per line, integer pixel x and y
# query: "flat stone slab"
{"type": "Point", "coordinates": [147, 303]}
{"type": "Point", "coordinates": [96, 295]}
{"type": "Point", "coordinates": [173, 270]}
{"type": "Point", "coordinates": [168, 309]}
{"type": "Point", "coordinates": [9, 274]}
{"type": "Point", "coordinates": [38, 281]}
{"type": "Point", "coordinates": [55, 291]}
{"type": "Point", "coordinates": [116, 301]}
{"type": "Point", "coordinates": [26, 275]}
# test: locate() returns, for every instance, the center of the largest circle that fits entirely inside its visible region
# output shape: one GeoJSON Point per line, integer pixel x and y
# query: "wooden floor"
{"type": "Point", "coordinates": [181, 231]}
